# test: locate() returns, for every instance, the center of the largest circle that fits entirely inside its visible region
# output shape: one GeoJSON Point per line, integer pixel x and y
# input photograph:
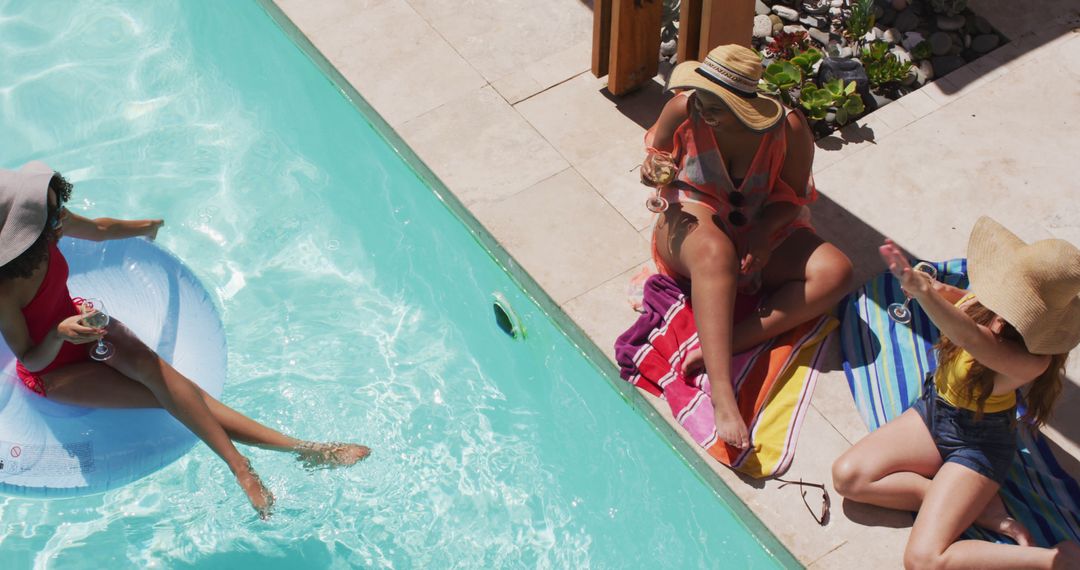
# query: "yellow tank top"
{"type": "Point", "coordinates": [950, 378]}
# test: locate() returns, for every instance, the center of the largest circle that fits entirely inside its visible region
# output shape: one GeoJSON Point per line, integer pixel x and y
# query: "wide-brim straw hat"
{"type": "Point", "coordinates": [731, 72]}
{"type": "Point", "coordinates": [1035, 287]}
{"type": "Point", "coordinates": [24, 206]}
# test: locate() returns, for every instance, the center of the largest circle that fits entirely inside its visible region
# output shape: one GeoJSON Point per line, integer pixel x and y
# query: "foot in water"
{"type": "Point", "coordinates": [261, 498]}
{"type": "Point", "coordinates": [995, 518]}
{"type": "Point", "coordinates": [317, 455]}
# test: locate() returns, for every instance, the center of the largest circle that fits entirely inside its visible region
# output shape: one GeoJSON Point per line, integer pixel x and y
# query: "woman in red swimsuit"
{"type": "Point", "coordinates": [44, 328]}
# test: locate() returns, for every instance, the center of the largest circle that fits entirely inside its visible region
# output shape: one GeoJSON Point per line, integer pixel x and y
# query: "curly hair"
{"type": "Point", "coordinates": [23, 266]}
{"type": "Point", "coordinates": [1041, 394]}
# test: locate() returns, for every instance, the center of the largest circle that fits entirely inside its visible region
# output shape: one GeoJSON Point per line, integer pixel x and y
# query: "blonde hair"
{"type": "Point", "coordinates": [1042, 392]}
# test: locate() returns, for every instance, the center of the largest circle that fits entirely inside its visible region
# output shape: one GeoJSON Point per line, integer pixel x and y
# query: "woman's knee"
{"type": "Point", "coordinates": [714, 252]}
{"type": "Point", "coordinates": [831, 270]}
{"type": "Point", "coordinates": [849, 476]}
{"type": "Point", "coordinates": [921, 556]}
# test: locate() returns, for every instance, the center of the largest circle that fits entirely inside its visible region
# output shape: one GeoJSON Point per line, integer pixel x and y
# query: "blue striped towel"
{"type": "Point", "coordinates": [885, 363]}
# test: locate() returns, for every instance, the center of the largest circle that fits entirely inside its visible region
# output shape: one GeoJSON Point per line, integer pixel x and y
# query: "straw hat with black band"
{"type": "Point", "coordinates": [24, 207]}
{"type": "Point", "coordinates": [731, 72]}
{"type": "Point", "coordinates": [1035, 287]}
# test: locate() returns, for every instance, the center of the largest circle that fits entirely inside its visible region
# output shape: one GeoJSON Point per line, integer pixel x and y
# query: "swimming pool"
{"type": "Point", "coordinates": [357, 306]}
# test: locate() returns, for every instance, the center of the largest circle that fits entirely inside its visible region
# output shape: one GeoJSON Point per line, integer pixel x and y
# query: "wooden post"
{"type": "Point", "coordinates": [689, 30]}
{"type": "Point", "coordinates": [601, 37]}
{"type": "Point", "coordinates": [725, 22]}
{"type": "Point", "coordinates": [635, 43]}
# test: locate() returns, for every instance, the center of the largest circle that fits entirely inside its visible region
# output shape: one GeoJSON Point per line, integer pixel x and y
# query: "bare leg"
{"type": "Point", "coordinates": [96, 385]}
{"type": "Point", "coordinates": [182, 399]}
{"type": "Point", "coordinates": [893, 467]}
{"type": "Point", "coordinates": [955, 497]}
{"type": "Point", "coordinates": [805, 277]}
{"type": "Point", "coordinates": [691, 243]}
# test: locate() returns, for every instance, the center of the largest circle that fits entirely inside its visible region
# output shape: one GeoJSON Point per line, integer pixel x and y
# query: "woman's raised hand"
{"type": "Point", "coordinates": [74, 331]}
{"type": "Point", "coordinates": [914, 283]}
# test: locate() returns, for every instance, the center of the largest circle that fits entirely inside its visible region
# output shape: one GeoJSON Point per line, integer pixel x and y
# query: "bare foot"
{"type": "Point", "coordinates": [995, 518]}
{"type": "Point", "coordinates": [261, 498]}
{"type": "Point", "coordinates": [1067, 555]}
{"type": "Point", "coordinates": [315, 455]}
{"type": "Point", "coordinates": [731, 428]}
{"type": "Point", "coordinates": [694, 363]}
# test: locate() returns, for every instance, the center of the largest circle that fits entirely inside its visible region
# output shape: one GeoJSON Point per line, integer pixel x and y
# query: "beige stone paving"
{"type": "Point", "coordinates": [518, 129]}
{"type": "Point", "coordinates": [487, 131]}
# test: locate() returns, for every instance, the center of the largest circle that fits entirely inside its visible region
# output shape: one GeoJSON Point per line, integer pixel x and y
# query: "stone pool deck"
{"type": "Point", "coordinates": [497, 99]}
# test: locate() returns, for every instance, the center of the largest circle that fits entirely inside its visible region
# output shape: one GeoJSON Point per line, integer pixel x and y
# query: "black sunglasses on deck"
{"type": "Point", "coordinates": [825, 502]}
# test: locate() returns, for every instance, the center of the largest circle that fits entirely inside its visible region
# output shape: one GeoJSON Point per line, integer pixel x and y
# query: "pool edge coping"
{"type": "Point", "coordinates": [536, 293]}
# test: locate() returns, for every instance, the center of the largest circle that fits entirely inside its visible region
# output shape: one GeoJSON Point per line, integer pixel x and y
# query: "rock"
{"type": "Point", "coordinates": [985, 43]}
{"type": "Point", "coordinates": [667, 49]}
{"type": "Point", "coordinates": [982, 25]}
{"type": "Point", "coordinates": [837, 3]}
{"type": "Point", "coordinates": [892, 35]}
{"type": "Point", "coordinates": [947, 64]}
{"type": "Point", "coordinates": [836, 11]}
{"type": "Point", "coordinates": [901, 54]}
{"type": "Point", "coordinates": [940, 43]}
{"type": "Point", "coordinates": [926, 71]}
{"type": "Point", "coordinates": [845, 52]}
{"type": "Point", "coordinates": [879, 11]}
{"type": "Point", "coordinates": [906, 21]}
{"type": "Point", "coordinates": [812, 22]}
{"type": "Point", "coordinates": [789, 14]}
{"type": "Point", "coordinates": [899, 5]}
{"type": "Point", "coordinates": [819, 36]}
{"type": "Point", "coordinates": [969, 24]}
{"type": "Point", "coordinates": [762, 28]}
{"type": "Point", "coordinates": [888, 17]}
{"type": "Point", "coordinates": [950, 23]}
{"type": "Point", "coordinates": [761, 9]}
{"type": "Point", "coordinates": [794, 29]}
{"type": "Point", "coordinates": [879, 101]}
{"type": "Point", "coordinates": [777, 23]}
{"type": "Point", "coordinates": [967, 40]}
{"type": "Point", "coordinates": [912, 39]}
{"type": "Point", "coordinates": [816, 7]}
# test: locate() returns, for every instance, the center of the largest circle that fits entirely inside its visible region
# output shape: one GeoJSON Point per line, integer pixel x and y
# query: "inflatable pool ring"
{"type": "Point", "coordinates": [49, 449]}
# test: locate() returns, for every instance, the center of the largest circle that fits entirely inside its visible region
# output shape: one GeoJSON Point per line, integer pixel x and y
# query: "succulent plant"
{"type": "Point", "coordinates": [882, 66]}
{"type": "Point", "coordinates": [922, 50]}
{"type": "Point", "coordinates": [806, 60]}
{"type": "Point", "coordinates": [785, 45]}
{"type": "Point", "coordinates": [835, 96]}
{"type": "Point", "coordinates": [860, 20]}
{"type": "Point", "coordinates": [780, 78]}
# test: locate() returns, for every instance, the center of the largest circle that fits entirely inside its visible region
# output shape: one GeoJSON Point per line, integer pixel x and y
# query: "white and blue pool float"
{"type": "Point", "coordinates": [53, 450]}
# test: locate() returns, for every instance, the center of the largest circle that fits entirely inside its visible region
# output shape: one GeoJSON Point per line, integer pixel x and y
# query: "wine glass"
{"type": "Point", "coordinates": [900, 312]}
{"type": "Point", "coordinates": [98, 319]}
{"type": "Point", "coordinates": [663, 174]}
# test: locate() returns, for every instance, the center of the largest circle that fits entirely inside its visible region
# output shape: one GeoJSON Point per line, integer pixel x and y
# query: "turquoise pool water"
{"type": "Point", "coordinates": [357, 307]}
